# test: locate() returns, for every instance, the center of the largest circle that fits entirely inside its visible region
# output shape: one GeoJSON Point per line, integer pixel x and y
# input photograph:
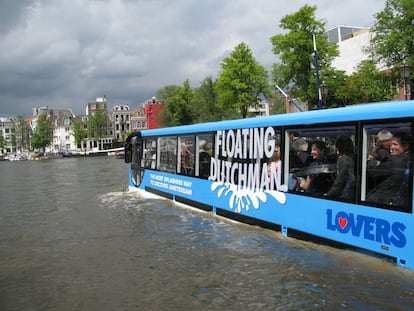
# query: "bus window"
{"type": "Point", "coordinates": [274, 162]}
{"type": "Point", "coordinates": [321, 161]}
{"type": "Point", "coordinates": [167, 154]}
{"type": "Point", "coordinates": [185, 158]}
{"type": "Point", "coordinates": [387, 168]}
{"type": "Point", "coordinates": [204, 153]}
{"type": "Point", "coordinates": [150, 153]}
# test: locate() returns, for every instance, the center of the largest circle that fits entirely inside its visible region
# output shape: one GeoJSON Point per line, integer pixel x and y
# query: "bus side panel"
{"type": "Point", "coordinates": [381, 231]}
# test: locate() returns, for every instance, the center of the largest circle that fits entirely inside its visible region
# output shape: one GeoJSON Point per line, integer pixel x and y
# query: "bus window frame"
{"type": "Point", "coordinates": [184, 169]}
{"type": "Point", "coordinates": [302, 129]}
{"type": "Point", "coordinates": [149, 163]}
{"type": "Point", "coordinates": [199, 138]}
{"type": "Point", "coordinates": [168, 168]}
{"type": "Point", "coordinates": [388, 124]}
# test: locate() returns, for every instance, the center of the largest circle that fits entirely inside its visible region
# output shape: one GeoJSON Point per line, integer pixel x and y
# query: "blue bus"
{"type": "Point", "coordinates": [342, 176]}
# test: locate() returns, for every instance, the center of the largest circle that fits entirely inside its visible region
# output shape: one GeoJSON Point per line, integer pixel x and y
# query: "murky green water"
{"type": "Point", "coordinates": [72, 238]}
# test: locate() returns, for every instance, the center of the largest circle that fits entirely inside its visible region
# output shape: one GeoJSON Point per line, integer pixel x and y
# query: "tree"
{"type": "Point", "coordinates": [22, 134]}
{"type": "Point", "coordinates": [79, 133]}
{"type": "Point", "coordinates": [179, 109]}
{"type": "Point", "coordinates": [336, 81]}
{"type": "Point", "coordinates": [278, 106]}
{"type": "Point", "coordinates": [393, 43]}
{"type": "Point", "coordinates": [1, 142]}
{"type": "Point", "coordinates": [205, 102]}
{"type": "Point", "coordinates": [165, 94]}
{"type": "Point", "coordinates": [367, 84]}
{"type": "Point", "coordinates": [296, 72]}
{"type": "Point", "coordinates": [43, 133]}
{"type": "Point", "coordinates": [242, 81]}
{"type": "Point", "coordinates": [98, 125]}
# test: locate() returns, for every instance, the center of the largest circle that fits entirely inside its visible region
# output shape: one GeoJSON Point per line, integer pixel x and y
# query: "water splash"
{"type": "Point", "coordinates": [244, 198]}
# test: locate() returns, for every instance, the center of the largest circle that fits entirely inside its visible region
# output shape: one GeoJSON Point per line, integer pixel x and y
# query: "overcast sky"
{"type": "Point", "coordinates": [64, 53]}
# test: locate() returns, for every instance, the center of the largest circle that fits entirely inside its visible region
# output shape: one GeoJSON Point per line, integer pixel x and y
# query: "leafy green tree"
{"type": "Point", "coordinates": [164, 94]}
{"type": "Point", "coordinates": [393, 43]}
{"type": "Point", "coordinates": [98, 125]}
{"type": "Point", "coordinates": [278, 105]}
{"type": "Point", "coordinates": [22, 132]}
{"type": "Point", "coordinates": [295, 72]}
{"type": "Point", "coordinates": [205, 102]}
{"type": "Point", "coordinates": [179, 109]}
{"type": "Point", "coordinates": [367, 84]}
{"type": "Point", "coordinates": [336, 81]}
{"type": "Point", "coordinates": [79, 132]}
{"type": "Point", "coordinates": [13, 141]}
{"type": "Point", "coordinates": [1, 141]}
{"type": "Point", "coordinates": [43, 133]}
{"type": "Point", "coordinates": [167, 92]}
{"type": "Point", "coordinates": [242, 81]}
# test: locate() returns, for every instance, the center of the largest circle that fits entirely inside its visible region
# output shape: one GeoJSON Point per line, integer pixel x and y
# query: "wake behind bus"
{"type": "Point", "coordinates": [342, 175]}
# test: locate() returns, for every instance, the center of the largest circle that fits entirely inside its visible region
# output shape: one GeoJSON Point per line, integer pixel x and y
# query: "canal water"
{"type": "Point", "coordinates": [73, 238]}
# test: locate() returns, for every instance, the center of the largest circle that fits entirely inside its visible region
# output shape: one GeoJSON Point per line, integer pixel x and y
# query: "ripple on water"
{"type": "Point", "coordinates": [73, 238]}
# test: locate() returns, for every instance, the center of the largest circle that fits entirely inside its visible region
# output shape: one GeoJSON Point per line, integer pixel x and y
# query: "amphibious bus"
{"type": "Point", "coordinates": [254, 170]}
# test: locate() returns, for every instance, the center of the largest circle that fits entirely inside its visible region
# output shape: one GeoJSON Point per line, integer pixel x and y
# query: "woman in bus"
{"type": "Point", "coordinates": [317, 181]}
{"type": "Point", "coordinates": [344, 184]}
{"type": "Point", "coordinates": [274, 164]}
{"type": "Point", "coordinates": [299, 155]}
{"type": "Point", "coordinates": [394, 190]}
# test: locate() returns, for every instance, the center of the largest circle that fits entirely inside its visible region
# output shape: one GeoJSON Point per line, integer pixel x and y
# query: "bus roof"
{"type": "Point", "coordinates": [371, 111]}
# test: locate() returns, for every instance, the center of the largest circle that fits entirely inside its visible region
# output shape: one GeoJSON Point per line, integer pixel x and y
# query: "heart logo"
{"type": "Point", "coordinates": [342, 222]}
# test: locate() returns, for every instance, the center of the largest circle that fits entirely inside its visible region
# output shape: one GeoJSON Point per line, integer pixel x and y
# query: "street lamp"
{"type": "Point", "coordinates": [324, 92]}
{"type": "Point", "coordinates": [405, 71]}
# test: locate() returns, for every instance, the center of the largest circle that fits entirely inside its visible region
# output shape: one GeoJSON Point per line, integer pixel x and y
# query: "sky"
{"type": "Point", "coordinates": [65, 53]}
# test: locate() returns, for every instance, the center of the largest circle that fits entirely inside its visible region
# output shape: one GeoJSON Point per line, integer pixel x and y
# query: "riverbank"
{"type": "Point", "coordinates": [24, 156]}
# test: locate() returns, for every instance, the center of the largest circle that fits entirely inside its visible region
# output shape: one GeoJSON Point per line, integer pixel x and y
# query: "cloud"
{"type": "Point", "coordinates": [12, 13]}
{"type": "Point", "coordinates": [62, 53]}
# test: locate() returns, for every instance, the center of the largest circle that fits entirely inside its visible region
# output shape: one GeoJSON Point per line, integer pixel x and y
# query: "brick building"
{"type": "Point", "coordinates": [153, 110]}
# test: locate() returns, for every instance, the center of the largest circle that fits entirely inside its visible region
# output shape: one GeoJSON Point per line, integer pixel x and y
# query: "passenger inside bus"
{"type": "Point", "coordinates": [344, 183]}
{"type": "Point", "coordinates": [204, 159]}
{"type": "Point", "coordinates": [383, 143]}
{"type": "Point", "coordinates": [377, 159]}
{"type": "Point", "coordinates": [299, 156]}
{"type": "Point", "coordinates": [319, 176]}
{"type": "Point", "coordinates": [293, 135]}
{"type": "Point", "coordinates": [187, 159]}
{"type": "Point", "coordinates": [394, 189]}
{"type": "Point", "coordinates": [275, 163]}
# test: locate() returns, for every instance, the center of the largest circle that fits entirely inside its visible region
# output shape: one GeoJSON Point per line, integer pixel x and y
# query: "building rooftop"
{"type": "Point", "coordinates": [341, 33]}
